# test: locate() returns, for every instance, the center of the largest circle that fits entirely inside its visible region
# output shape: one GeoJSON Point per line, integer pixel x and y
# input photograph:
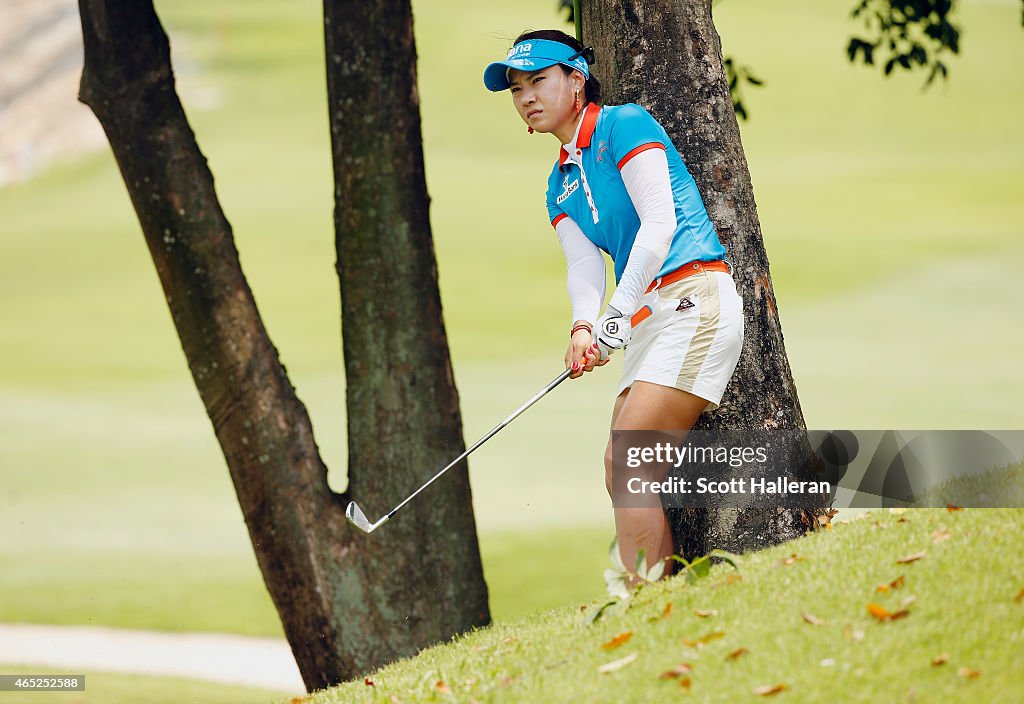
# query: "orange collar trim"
{"type": "Point", "coordinates": [586, 131]}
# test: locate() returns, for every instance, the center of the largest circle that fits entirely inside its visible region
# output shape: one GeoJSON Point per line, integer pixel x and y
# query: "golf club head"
{"type": "Point", "coordinates": [357, 518]}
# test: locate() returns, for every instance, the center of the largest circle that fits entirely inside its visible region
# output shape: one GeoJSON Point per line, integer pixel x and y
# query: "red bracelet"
{"type": "Point", "coordinates": [583, 326]}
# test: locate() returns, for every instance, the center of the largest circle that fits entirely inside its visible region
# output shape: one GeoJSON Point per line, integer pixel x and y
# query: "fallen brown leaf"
{"type": "Point", "coordinates": [968, 673]}
{"type": "Point", "coordinates": [894, 584]}
{"type": "Point", "coordinates": [940, 659]}
{"type": "Point", "coordinates": [769, 689]}
{"type": "Point", "coordinates": [939, 535]}
{"type": "Point", "coordinates": [910, 558]}
{"type": "Point", "coordinates": [617, 640]}
{"type": "Point", "coordinates": [878, 611]}
{"type": "Point", "coordinates": [704, 613]}
{"type": "Point", "coordinates": [811, 618]}
{"type": "Point", "coordinates": [728, 580]}
{"type": "Point", "coordinates": [883, 614]}
{"type": "Point", "coordinates": [1020, 596]}
{"type": "Point", "coordinates": [792, 558]}
{"type": "Point", "coordinates": [736, 653]}
{"type": "Point", "coordinates": [442, 687]}
{"type": "Point", "coordinates": [902, 519]}
{"type": "Point", "coordinates": [664, 613]}
{"type": "Point", "coordinates": [713, 635]}
{"type": "Point", "coordinates": [685, 682]}
{"type": "Point", "coordinates": [367, 681]}
{"type": "Point", "coordinates": [683, 668]}
{"type": "Point", "coordinates": [952, 507]}
{"type": "Point", "coordinates": [617, 664]}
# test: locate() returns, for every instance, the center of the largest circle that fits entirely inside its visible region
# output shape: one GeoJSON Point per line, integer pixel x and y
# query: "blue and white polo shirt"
{"type": "Point", "coordinates": [586, 186]}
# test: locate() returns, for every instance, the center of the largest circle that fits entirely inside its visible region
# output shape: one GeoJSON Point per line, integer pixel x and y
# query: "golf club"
{"type": "Point", "coordinates": [355, 514]}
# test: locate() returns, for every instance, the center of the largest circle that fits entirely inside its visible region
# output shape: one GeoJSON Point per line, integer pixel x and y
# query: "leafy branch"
{"type": "Point", "coordinates": [737, 75]}
{"type": "Point", "coordinates": [907, 34]}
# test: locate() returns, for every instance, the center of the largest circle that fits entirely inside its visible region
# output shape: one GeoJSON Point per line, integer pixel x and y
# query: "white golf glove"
{"type": "Point", "coordinates": [611, 332]}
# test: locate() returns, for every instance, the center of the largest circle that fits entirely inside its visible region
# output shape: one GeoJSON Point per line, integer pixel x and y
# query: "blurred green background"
{"type": "Point", "coordinates": [893, 219]}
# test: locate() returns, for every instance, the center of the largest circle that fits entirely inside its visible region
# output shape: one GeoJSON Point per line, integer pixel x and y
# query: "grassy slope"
{"type": "Point", "coordinates": [869, 193]}
{"type": "Point", "coordinates": [964, 605]}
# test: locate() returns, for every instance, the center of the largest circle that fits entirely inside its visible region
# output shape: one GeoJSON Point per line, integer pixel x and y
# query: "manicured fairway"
{"type": "Point", "coordinates": [107, 688]}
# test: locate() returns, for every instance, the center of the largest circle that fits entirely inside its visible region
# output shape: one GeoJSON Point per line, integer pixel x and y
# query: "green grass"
{"type": "Point", "coordinates": [116, 535]}
{"type": "Point", "coordinates": [964, 605]}
{"type": "Point", "coordinates": [109, 688]}
{"type": "Point", "coordinates": [223, 592]}
{"type": "Point", "coordinates": [543, 569]}
{"type": "Point", "coordinates": [892, 220]}
{"type": "Point", "coordinates": [995, 488]}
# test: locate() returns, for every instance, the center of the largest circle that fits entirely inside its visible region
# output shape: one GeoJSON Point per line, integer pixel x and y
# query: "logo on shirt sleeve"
{"type": "Point", "coordinates": [567, 189]}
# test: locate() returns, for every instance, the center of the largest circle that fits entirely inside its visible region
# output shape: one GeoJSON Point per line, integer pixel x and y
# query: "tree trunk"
{"type": "Point", "coordinates": [345, 609]}
{"type": "Point", "coordinates": [403, 408]}
{"type": "Point", "coordinates": [666, 55]}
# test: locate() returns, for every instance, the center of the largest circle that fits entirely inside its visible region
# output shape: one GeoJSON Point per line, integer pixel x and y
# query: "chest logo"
{"type": "Point", "coordinates": [601, 147]}
{"type": "Point", "coordinates": [567, 189]}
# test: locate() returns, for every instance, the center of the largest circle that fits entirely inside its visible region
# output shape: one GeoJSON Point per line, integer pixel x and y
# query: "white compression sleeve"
{"type": "Point", "coordinates": [647, 182]}
{"type": "Point", "coordinates": [584, 271]}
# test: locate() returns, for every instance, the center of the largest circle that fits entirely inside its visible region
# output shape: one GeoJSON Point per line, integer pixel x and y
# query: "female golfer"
{"type": "Point", "coordinates": [620, 186]}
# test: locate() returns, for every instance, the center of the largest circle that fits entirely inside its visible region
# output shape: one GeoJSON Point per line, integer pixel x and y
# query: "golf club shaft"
{"type": "Point", "coordinates": [494, 431]}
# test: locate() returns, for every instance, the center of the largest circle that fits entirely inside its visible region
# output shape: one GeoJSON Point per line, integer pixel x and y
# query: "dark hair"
{"type": "Point", "coordinates": [592, 88]}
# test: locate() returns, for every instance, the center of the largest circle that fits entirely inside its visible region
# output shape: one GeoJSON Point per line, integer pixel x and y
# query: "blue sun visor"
{"type": "Point", "coordinates": [533, 55]}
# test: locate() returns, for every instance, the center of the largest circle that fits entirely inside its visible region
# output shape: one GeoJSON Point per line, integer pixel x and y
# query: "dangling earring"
{"type": "Point", "coordinates": [530, 130]}
{"type": "Point", "coordinates": [577, 100]}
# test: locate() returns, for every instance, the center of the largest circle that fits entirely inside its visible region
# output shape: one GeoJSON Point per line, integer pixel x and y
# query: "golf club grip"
{"type": "Point", "coordinates": [494, 431]}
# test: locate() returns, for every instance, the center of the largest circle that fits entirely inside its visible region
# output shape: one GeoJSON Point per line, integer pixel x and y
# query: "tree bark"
{"type": "Point", "coordinates": [349, 603]}
{"type": "Point", "coordinates": [403, 407]}
{"type": "Point", "coordinates": [666, 55]}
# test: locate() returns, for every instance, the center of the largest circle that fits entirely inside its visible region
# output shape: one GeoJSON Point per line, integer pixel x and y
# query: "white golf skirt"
{"type": "Point", "coordinates": [687, 335]}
